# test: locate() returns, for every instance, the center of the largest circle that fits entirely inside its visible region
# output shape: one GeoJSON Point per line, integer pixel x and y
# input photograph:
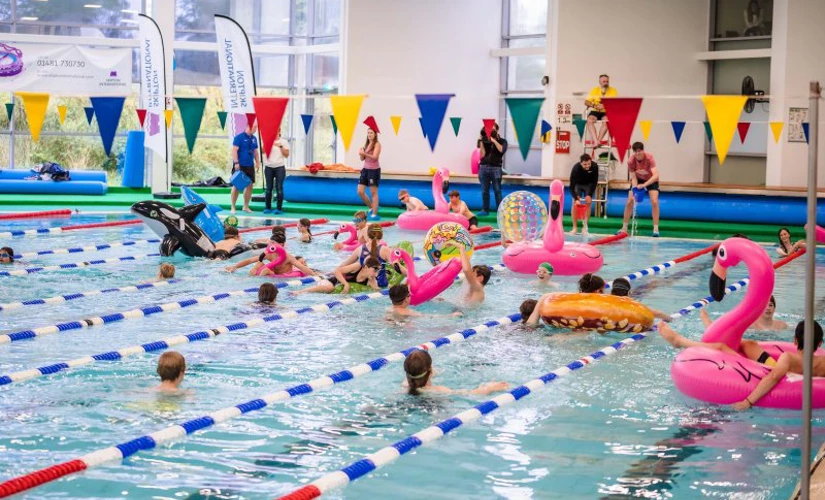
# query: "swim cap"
{"type": "Point", "coordinates": [547, 266]}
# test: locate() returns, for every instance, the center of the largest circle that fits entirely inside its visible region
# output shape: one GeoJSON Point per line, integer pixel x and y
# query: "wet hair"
{"type": "Point", "coordinates": [167, 270]}
{"type": "Point", "coordinates": [585, 157]}
{"type": "Point", "coordinates": [638, 146]}
{"type": "Point", "coordinates": [591, 283]}
{"type": "Point", "coordinates": [372, 262]}
{"type": "Point", "coordinates": [419, 367]}
{"type": "Point", "coordinates": [171, 365]}
{"type": "Point", "coordinates": [374, 234]}
{"type": "Point", "coordinates": [799, 335]}
{"type": "Point", "coordinates": [621, 287]}
{"type": "Point", "coordinates": [772, 301]}
{"type": "Point", "coordinates": [454, 193]}
{"type": "Point", "coordinates": [278, 235]}
{"type": "Point", "coordinates": [230, 232]}
{"type": "Point", "coordinates": [267, 293]}
{"type": "Point", "coordinates": [398, 294]}
{"type": "Point", "coordinates": [484, 272]}
{"type": "Point", "coordinates": [526, 309]}
{"type": "Point", "coordinates": [9, 251]}
{"type": "Point", "coordinates": [220, 255]}
{"type": "Point", "coordinates": [779, 237]}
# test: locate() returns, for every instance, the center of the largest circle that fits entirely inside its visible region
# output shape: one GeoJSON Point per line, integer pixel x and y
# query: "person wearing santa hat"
{"type": "Point", "coordinates": [371, 171]}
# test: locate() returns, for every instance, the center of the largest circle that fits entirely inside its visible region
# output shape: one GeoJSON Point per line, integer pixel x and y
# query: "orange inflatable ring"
{"type": "Point", "coordinates": [595, 311]}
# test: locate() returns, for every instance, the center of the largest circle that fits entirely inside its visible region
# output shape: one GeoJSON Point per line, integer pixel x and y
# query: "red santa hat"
{"type": "Point", "coordinates": [370, 122]}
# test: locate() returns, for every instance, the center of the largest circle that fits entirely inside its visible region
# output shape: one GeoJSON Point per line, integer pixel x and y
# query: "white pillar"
{"type": "Point", "coordinates": [343, 84]}
{"type": "Point", "coordinates": [163, 12]}
{"type": "Point", "coordinates": [779, 49]}
{"type": "Point", "coordinates": [548, 150]}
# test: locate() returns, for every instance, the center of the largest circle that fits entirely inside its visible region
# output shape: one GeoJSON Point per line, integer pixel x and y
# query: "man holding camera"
{"type": "Point", "coordinates": [492, 151]}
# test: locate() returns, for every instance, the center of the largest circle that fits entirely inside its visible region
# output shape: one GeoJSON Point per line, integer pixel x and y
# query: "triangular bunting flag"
{"type": "Point", "coordinates": [396, 123]}
{"type": "Point", "coordinates": [346, 109]}
{"type": "Point", "coordinates": [334, 125]}
{"type": "Point", "coordinates": [708, 131]}
{"type": "Point", "coordinates": [191, 113]}
{"type": "Point", "coordinates": [9, 109]}
{"type": "Point", "coordinates": [370, 123]}
{"type": "Point", "coordinates": [580, 124]}
{"type": "Point", "coordinates": [622, 113]}
{"type": "Point", "coordinates": [525, 114]}
{"type": "Point", "coordinates": [141, 116]}
{"type": "Point", "coordinates": [423, 130]}
{"type": "Point", "coordinates": [34, 105]}
{"type": "Point", "coordinates": [678, 128]}
{"type": "Point", "coordinates": [90, 113]}
{"type": "Point", "coordinates": [222, 119]}
{"type": "Point", "coordinates": [108, 111]}
{"type": "Point", "coordinates": [645, 125]}
{"type": "Point", "coordinates": [167, 115]}
{"type": "Point", "coordinates": [776, 128]}
{"type": "Point", "coordinates": [433, 107]}
{"type": "Point", "coordinates": [307, 121]}
{"type": "Point", "coordinates": [743, 128]}
{"type": "Point", "coordinates": [270, 111]}
{"type": "Point", "coordinates": [455, 121]}
{"type": "Point", "coordinates": [251, 118]}
{"type": "Point", "coordinates": [61, 113]}
{"type": "Point", "coordinates": [489, 125]}
{"type": "Point", "coordinates": [723, 114]}
{"type": "Point", "coordinates": [545, 131]}
{"type": "Point", "coordinates": [805, 128]}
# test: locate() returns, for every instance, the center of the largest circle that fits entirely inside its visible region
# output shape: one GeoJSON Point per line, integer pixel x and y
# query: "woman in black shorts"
{"type": "Point", "coordinates": [346, 275]}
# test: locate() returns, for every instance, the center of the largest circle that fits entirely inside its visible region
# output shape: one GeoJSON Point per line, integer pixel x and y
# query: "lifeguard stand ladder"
{"type": "Point", "coordinates": [602, 154]}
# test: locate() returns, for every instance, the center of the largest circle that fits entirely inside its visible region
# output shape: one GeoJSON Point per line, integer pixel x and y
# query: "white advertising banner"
{"type": "Point", "coordinates": [152, 84]}
{"type": "Point", "coordinates": [237, 77]}
{"type": "Point", "coordinates": [65, 69]}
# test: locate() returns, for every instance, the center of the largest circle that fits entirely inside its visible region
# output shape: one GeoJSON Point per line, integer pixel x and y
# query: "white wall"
{"type": "Point", "coordinates": [648, 48]}
{"type": "Point", "coordinates": [397, 48]}
{"type": "Point", "coordinates": [797, 59]}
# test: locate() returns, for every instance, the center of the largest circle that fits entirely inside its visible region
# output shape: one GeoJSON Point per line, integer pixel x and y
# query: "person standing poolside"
{"type": "Point", "coordinates": [371, 171]}
{"type": "Point", "coordinates": [491, 152]}
{"type": "Point", "coordinates": [643, 175]}
{"type": "Point", "coordinates": [245, 158]}
{"type": "Point", "coordinates": [274, 174]}
{"type": "Point", "coordinates": [597, 112]}
{"type": "Point", "coordinates": [411, 202]}
{"type": "Point", "coordinates": [583, 181]}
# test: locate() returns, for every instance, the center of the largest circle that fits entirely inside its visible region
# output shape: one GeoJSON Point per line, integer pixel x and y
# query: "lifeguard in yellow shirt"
{"type": "Point", "coordinates": [594, 102]}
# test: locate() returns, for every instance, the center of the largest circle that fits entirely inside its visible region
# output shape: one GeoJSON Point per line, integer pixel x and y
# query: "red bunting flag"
{"type": "Point", "coordinates": [250, 119]}
{"type": "Point", "coordinates": [141, 116]}
{"type": "Point", "coordinates": [622, 113]}
{"type": "Point", "coordinates": [743, 128]}
{"type": "Point", "coordinates": [489, 124]}
{"type": "Point", "coordinates": [271, 110]}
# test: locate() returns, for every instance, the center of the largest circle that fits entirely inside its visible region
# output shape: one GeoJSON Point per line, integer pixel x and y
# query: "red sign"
{"type": "Point", "coordinates": [563, 142]}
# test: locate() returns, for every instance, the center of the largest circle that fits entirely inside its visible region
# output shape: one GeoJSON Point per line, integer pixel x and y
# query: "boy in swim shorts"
{"type": "Point", "coordinates": [459, 207]}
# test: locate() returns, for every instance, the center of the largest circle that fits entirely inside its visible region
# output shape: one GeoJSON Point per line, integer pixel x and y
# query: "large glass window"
{"type": "Point", "coordinates": [742, 24]}
{"type": "Point", "coordinates": [527, 17]}
{"type": "Point", "coordinates": [265, 21]}
{"type": "Point", "coordinates": [88, 18]}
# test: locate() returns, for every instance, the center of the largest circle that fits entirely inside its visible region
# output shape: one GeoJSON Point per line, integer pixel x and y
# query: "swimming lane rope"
{"type": "Point", "coordinates": [75, 265]}
{"type": "Point", "coordinates": [386, 455]}
{"type": "Point", "coordinates": [87, 248]}
{"type": "Point", "coordinates": [76, 227]}
{"type": "Point", "coordinates": [118, 452]}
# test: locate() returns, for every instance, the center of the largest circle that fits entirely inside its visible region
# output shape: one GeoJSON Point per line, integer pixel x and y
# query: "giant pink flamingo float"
{"type": "Point", "coordinates": [430, 284]}
{"type": "Point", "coordinates": [567, 258]}
{"type": "Point", "coordinates": [423, 220]}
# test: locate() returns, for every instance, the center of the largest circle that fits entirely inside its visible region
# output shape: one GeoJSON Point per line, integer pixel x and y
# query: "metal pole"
{"type": "Point", "coordinates": [810, 268]}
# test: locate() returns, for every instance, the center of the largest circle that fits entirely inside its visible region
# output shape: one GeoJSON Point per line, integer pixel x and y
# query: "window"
{"type": "Point", "coordinates": [88, 18]}
{"type": "Point", "coordinates": [265, 21]}
{"type": "Point", "coordinates": [742, 24]}
{"type": "Point", "coordinates": [527, 17]}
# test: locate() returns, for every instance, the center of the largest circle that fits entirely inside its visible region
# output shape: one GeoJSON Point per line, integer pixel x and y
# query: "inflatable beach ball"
{"type": "Point", "coordinates": [231, 221]}
{"type": "Point", "coordinates": [522, 216]}
{"type": "Point", "coordinates": [443, 241]}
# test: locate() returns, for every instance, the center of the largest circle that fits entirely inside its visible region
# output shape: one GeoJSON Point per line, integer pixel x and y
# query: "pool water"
{"type": "Point", "coordinates": [615, 429]}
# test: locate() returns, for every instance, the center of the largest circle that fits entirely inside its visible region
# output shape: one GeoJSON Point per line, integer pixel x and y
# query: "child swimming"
{"type": "Point", "coordinates": [591, 283]}
{"type": "Point", "coordinates": [346, 276]}
{"type": "Point", "coordinates": [171, 369]}
{"type": "Point", "coordinates": [359, 219]}
{"type": "Point", "coordinates": [267, 294]}
{"type": "Point", "coordinates": [544, 273]}
{"type": "Point", "coordinates": [6, 255]}
{"type": "Point", "coordinates": [621, 288]}
{"type": "Point", "coordinates": [305, 228]}
{"type": "Point", "coordinates": [400, 298]}
{"type": "Point", "coordinates": [419, 369]}
{"type": "Point", "coordinates": [765, 322]}
{"type": "Point", "coordinates": [166, 271]}
{"type": "Point", "coordinates": [476, 277]}
{"type": "Point", "coordinates": [459, 207]}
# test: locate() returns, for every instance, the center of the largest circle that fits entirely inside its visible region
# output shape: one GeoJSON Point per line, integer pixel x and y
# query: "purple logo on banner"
{"type": "Point", "coordinates": [11, 60]}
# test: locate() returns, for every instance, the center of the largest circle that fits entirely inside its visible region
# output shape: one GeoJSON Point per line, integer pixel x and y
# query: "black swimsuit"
{"type": "Point", "coordinates": [349, 278]}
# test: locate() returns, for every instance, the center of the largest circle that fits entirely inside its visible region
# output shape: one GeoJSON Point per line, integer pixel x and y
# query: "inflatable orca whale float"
{"type": "Point", "coordinates": [179, 231]}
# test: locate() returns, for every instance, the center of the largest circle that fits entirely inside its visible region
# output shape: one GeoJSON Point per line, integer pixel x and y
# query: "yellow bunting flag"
{"type": "Point", "coordinates": [645, 126]}
{"type": "Point", "coordinates": [723, 114]}
{"type": "Point", "coordinates": [34, 105]}
{"type": "Point", "coordinates": [346, 108]}
{"type": "Point", "coordinates": [776, 128]}
{"type": "Point", "coordinates": [169, 113]}
{"type": "Point", "coordinates": [61, 112]}
{"type": "Point", "coordinates": [396, 122]}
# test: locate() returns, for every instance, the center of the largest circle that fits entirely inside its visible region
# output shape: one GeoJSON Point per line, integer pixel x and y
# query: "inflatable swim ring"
{"type": "Point", "coordinates": [423, 220]}
{"type": "Point", "coordinates": [596, 311]}
{"type": "Point", "coordinates": [431, 283]}
{"type": "Point", "coordinates": [352, 241]}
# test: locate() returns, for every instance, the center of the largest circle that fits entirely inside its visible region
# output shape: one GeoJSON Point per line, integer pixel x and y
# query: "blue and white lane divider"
{"type": "Point", "coordinates": [138, 313]}
{"type": "Point", "coordinates": [76, 265]}
{"type": "Point", "coordinates": [57, 299]}
{"type": "Point", "coordinates": [658, 268]}
{"type": "Point", "coordinates": [384, 456]}
{"type": "Point", "coordinates": [88, 248]}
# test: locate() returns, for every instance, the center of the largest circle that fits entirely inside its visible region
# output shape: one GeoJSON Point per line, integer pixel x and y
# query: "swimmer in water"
{"type": "Point", "coordinates": [267, 295]}
{"type": "Point", "coordinates": [591, 283]}
{"type": "Point", "coordinates": [166, 271]}
{"type": "Point", "coordinates": [621, 288]}
{"type": "Point", "coordinates": [347, 275]}
{"type": "Point", "coordinates": [360, 222]}
{"type": "Point", "coordinates": [305, 228]}
{"type": "Point", "coordinates": [476, 277]}
{"type": "Point", "coordinates": [171, 369]}
{"type": "Point", "coordinates": [786, 247]}
{"type": "Point", "coordinates": [400, 298]}
{"type": "Point", "coordinates": [544, 273]}
{"type": "Point", "coordinates": [6, 255]}
{"type": "Point", "coordinates": [419, 369]}
{"type": "Point", "coordinates": [765, 322]}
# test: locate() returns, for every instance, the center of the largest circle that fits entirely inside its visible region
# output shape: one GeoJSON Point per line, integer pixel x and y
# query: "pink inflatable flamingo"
{"type": "Point", "coordinates": [567, 258]}
{"type": "Point", "coordinates": [820, 235]}
{"type": "Point", "coordinates": [430, 284]}
{"type": "Point", "coordinates": [724, 378]}
{"type": "Point", "coordinates": [423, 220]}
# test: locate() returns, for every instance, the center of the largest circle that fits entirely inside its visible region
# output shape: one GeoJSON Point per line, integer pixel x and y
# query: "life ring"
{"type": "Point", "coordinates": [596, 311]}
